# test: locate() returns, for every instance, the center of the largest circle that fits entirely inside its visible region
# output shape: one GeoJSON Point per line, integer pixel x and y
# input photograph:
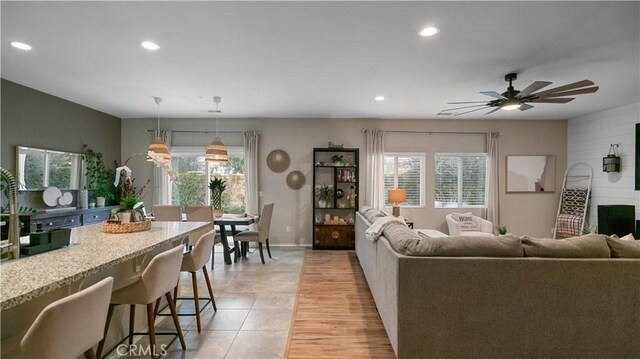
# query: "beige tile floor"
{"type": "Point", "coordinates": [255, 304]}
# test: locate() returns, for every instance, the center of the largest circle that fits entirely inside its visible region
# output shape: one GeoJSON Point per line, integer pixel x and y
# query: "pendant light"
{"type": "Point", "coordinates": [216, 151]}
{"type": "Point", "coordinates": [158, 146]}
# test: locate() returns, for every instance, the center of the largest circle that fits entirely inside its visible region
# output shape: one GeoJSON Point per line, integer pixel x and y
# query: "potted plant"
{"type": "Point", "coordinates": [337, 160]}
{"type": "Point", "coordinates": [217, 186]}
{"type": "Point", "coordinates": [324, 194]}
{"type": "Point", "coordinates": [502, 229]}
{"type": "Point", "coordinates": [99, 178]}
{"type": "Point", "coordinates": [130, 209]}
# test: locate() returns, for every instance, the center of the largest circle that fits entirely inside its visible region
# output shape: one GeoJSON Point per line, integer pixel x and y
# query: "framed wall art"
{"type": "Point", "coordinates": [531, 173]}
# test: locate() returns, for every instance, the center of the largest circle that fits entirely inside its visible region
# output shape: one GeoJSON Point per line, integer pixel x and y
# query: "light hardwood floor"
{"type": "Point", "coordinates": [335, 315]}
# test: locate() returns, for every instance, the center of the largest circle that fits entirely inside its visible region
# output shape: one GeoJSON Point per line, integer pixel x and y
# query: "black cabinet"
{"type": "Point", "coordinates": [616, 219]}
{"type": "Point", "coordinates": [335, 197]}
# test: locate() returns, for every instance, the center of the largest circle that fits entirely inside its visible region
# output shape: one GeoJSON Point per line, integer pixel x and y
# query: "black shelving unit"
{"type": "Point", "coordinates": [334, 220]}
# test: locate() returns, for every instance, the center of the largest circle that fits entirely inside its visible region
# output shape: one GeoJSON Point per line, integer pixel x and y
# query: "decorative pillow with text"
{"type": "Point", "coordinates": [467, 223]}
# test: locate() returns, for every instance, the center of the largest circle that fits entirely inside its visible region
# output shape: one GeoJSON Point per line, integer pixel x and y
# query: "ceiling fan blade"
{"type": "Point", "coordinates": [492, 94]}
{"type": "Point", "coordinates": [492, 111]}
{"type": "Point", "coordinates": [477, 109]}
{"type": "Point", "coordinates": [458, 108]}
{"type": "Point", "coordinates": [534, 87]}
{"type": "Point", "coordinates": [553, 100]}
{"type": "Point", "coordinates": [460, 103]}
{"type": "Point", "coordinates": [575, 85]}
{"type": "Point", "coordinates": [525, 107]}
{"type": "Point", "coordinates": [574, 92]}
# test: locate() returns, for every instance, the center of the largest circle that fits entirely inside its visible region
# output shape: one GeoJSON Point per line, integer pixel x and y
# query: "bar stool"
{"type": "Point", "coordinates": [158, 279]}
{"type": "Point", "coordinates": [193, 261]}
{"type": "Point", "coordinates": [70, 326]}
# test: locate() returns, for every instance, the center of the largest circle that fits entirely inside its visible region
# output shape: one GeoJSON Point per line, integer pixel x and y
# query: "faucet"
{"type": "Point", "coordinates": [14, 221]}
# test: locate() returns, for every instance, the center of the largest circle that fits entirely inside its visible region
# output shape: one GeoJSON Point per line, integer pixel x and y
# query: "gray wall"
{"type": "Point", "coordinates": [589, 138]}
{"type": "Point", "coordinates": [522, 213]}
{"type": "Point", "coordinates": [36, 119]}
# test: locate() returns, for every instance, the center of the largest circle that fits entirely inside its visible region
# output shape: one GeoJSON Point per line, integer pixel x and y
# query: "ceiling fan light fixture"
{"type": "Point", "coordinates": [429, 31]}
{"type": "Point", "coordinates": [511, 104]}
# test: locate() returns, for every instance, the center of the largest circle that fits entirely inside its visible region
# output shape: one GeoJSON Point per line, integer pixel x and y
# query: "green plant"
{"type": "Point", "coordinates": [99, 178]}
{"type": "Point", "coordinates": [218, 184]}
{"type": "Point", "coordinates": [502, 229]}
{"type": "Point", "coordinates": [337, 158]}
{"type": "Point", "coordinates": [324, 192]}
{"type": "Point", "coordinates": [127, 203]}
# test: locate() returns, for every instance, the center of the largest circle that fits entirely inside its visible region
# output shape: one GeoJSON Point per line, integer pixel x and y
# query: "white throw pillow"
{"type": "Point", "coordinates": [628, 237]}
{"type": "Point", "coordinates": [467, 223]}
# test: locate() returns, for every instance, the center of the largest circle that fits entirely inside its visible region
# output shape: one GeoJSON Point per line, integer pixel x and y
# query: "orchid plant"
{"type": "Point", "coordinates": [161, 162]}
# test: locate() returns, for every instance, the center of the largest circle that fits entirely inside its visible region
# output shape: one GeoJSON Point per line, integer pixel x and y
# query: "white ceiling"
{"type": "Point", "coordinates": [320, 59]}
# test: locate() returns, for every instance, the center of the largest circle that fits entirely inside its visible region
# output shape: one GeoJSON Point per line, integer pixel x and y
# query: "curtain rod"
{"type": "Point", "coordinates": [204, 131]}
{"type": "Point", "coordinates": [435, 132]}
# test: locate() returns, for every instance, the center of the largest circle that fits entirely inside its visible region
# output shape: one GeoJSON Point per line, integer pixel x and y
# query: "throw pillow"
{"type": "Point", "coordinates": [467, 223]}
{"type": "Point", "coordinates": [467, 246]}
{"type": "Point", "coordinates": [623, 248]}
{"type": "Point", "coordinates": [628, 237]}
{"type": "Point", "coordinates": [587, 246]}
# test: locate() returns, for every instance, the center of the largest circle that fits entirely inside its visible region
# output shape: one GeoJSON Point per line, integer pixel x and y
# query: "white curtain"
{"type": "Point", "coordinates": [374, 195]}
{"type": "Point", "coordinates": [251, 172]}
{"type": "Point", "coordinates": [161, 184]}
{"type": "Point", "coordinates": [492, 178]}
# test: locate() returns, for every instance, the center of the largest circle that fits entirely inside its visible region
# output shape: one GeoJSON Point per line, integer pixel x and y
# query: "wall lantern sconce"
{"type": "Point", "coordinates": [611, 163]}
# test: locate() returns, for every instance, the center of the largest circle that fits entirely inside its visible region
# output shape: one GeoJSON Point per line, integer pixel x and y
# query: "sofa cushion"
{"type": "Point", "coordinates": [372, 214]}
{"type": "Point", "coordinates": [466, 220]}
{"type": "Point", "coordinates": [621, 248]}
{"type": "Point", "coordinates": [587, 246]}
{"type": "Point", "coordinates": [467, 246]}
{"type": "Point", "coordinates": [477, 234]}
{"type": "Point", "coordinates": [400, 237]}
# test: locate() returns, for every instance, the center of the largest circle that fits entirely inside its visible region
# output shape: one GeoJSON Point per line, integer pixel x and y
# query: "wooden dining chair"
{"type": "Point", "coordinates": [167, 213]}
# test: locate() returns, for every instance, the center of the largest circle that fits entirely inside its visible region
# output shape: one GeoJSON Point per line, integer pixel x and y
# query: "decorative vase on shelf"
{"type": "Point", "coordinates": [100, 201]}
{"type": "Point", "coordinates": [322, 203]}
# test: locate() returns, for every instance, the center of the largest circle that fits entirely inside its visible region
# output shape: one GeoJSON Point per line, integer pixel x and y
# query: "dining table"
{"type": "Point", "coordinates": [231, 221]}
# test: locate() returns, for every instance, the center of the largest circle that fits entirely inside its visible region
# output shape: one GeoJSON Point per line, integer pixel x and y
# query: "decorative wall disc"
{"type": "Point", "coordinates": [278, 161]}
{"type": "Point", "coordinates": [295, 180]}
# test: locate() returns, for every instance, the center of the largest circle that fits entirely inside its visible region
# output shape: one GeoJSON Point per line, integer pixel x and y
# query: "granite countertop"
{"type": "Point", "coordinates": [91, 251]}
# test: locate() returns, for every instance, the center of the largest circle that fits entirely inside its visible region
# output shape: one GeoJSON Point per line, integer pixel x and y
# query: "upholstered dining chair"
{"type": "Point", "coordinates": [262, 234]}
{"type": "Point", "coordinates": [167, 213]}
{"type": "Point", "coordinates": [70, 326]}
{"type": "Point", "coordinates": [200, 214]}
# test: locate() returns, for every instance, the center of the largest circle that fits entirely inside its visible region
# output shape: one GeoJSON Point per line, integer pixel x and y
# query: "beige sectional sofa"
{"type": "Point", "coordinates": [500, 307]}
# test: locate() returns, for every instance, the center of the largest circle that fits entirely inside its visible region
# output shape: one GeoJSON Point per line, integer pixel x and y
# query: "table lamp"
{"type": "Point", "coordinates": [397, 196]}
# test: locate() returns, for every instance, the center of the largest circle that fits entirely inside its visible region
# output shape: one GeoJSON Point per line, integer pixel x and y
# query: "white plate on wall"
{"type": "Point", "coordinates": [50, 196]}
{"type": "Point", "coordinates": [66, 199]}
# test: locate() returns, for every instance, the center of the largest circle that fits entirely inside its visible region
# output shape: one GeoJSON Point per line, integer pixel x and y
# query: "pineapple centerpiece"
{"type": "Point", "coordinates": [217, 186]}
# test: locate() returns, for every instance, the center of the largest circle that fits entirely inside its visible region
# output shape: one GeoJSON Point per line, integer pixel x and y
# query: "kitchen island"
{"type": "Point", "coordinates": [28, 284]}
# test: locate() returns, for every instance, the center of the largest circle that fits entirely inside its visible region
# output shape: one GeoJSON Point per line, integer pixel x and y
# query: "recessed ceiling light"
{"type": "Point", "coordinates": [149, 45]}
{"type": "Point", "coordinates": [20, 45]}
{"type": "Point", "coordinates": [379, 98]}
{"type": "Point", "coordinates": [429, 31]}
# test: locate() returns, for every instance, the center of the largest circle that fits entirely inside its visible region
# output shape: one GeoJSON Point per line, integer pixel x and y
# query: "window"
{"type": "Point", "coordinates": [460, 180]}
{"type": "Point", "coordinates": [194, 174]}
{"type": "Point", "coordinates": [405, 171]}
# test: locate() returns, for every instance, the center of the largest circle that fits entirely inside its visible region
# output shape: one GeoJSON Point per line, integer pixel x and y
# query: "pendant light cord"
{"type": "Point", "coordinates": [158, 134]}
{"type": "Point", "coordinates": [217, 115]}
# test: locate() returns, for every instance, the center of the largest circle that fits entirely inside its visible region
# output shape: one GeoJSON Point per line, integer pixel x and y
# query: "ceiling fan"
{"type": "Point", "coordinates": [513, 99]}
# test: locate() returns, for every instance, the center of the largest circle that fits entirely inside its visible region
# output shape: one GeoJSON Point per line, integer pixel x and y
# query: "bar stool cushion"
{"type": "Point", "coordinates": [199, 255]}
{"type": "Point", "coordinates": [70, 326]}
{"type": "Point", "coordinates": [160, 277]}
